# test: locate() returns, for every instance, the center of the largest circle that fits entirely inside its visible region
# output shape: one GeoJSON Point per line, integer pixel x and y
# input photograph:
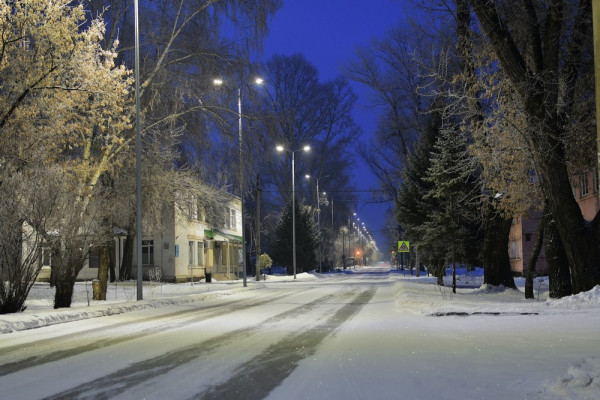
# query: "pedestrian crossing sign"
{"type": "Point", "coordinates": [403, 247]}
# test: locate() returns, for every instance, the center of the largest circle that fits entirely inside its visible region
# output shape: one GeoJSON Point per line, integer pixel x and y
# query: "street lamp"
{"type": "Point", "coordinates": [307, 176]}
{"type": "Point", "coordinates": [138, 157]}
{"type": "Point", "coordinates": [280, 148]}
{"type": "Point", "coordinates": [257, 81]}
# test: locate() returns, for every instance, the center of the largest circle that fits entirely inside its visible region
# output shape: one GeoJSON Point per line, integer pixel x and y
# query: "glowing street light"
{"type": "Point", "coordinates": [220, 82]}
{"type": "Point", "coordinates": [307, 176]}
{"type": "Point", "coordinates": [280, 148]}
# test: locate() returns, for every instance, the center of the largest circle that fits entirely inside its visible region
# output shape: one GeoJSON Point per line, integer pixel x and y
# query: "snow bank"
{"type": "Point", "coordinates": [35, 317]}
{"type": "Point", "coordinates": [120, 299]}
{"type": "Point", "coordinates": [589, 299]}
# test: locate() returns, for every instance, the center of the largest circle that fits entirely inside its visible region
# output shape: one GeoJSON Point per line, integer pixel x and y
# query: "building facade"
{"type": "Point", "coordinates": [191, 243]}
{"type": "Point", "coordinates": [523, 230]}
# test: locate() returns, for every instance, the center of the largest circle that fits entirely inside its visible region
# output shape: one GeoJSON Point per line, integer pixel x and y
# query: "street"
{"type": "Point", "coordinates": [365, 334]}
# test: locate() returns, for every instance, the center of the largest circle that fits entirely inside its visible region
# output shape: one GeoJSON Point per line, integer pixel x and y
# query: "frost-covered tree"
{"type": "Point", "coordinates": [545, 52]}
{"type": "Point", "coordinates": [453, 225]}
{"type": "Point", "coordinates": [64, 102]}
{"type": "Point", "coordinates": [411, 206]}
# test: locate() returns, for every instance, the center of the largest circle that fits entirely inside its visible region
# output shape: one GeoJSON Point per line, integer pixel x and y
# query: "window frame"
{"type": "Point", "coordinates": [584, 187]}
{"type": "Point", "coordinates": [148, 252]}
{"type": "Point", "coordinates": [191, 250]}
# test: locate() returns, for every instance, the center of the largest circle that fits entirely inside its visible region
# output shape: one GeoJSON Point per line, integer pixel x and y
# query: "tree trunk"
{"type": "Point", "coordinates": [439, 271]}
{"type": "Point", "coordinates": [64, 292]}
{"type": "Point", "coordinates": [537, 248]}
{"type": "Point", "coordinates": [558, 265]}
{"type": "Point", "coordinates": [580, 246]}
{"type": "Point", "coordinates": [127, 262]}
{"type": "Point", "coordinates": [537, 86]}
{"type": "Point", "coordinates": [103, 267]}
{"type": "Point", "coordinates": [496, 263]}
{"type": "Point", "coordinates": [113, 262]}
{"type": "Point", "coordinates": [453, 274]}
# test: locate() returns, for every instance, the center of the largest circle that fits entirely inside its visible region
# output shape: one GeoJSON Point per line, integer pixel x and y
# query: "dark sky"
{"type": "Point", "coordinates": [327, 32]}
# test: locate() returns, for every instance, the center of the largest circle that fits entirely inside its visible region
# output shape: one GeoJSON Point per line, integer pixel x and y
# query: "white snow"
{"type": "Point", "coordinates": [413, 340]}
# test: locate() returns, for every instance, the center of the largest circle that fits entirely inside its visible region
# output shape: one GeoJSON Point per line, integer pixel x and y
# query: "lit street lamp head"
{"type": "Point", "coordinates": [221, 82]}
{"type": "Point", "coordinates": [281, 148]}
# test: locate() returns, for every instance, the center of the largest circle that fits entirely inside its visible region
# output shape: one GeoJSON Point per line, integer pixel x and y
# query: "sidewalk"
{"type": "Point", "coordinates": [120, 298]}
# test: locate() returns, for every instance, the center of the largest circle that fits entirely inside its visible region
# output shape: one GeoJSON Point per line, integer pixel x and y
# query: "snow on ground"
{"type": "Point", "coordinates": [510, 335]}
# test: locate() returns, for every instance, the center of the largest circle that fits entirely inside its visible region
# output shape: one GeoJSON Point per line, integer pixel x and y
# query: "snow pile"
{"type": "Point", "coordinates": [589, 299]}
{"type": "Point", "coordinates": [286, 278]}
{"type": "Point", "coordinates": [582, 381]}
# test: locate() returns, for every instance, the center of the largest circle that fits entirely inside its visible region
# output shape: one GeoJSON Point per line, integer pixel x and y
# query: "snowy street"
{"type": "Point", "coordinates": [369, 333]}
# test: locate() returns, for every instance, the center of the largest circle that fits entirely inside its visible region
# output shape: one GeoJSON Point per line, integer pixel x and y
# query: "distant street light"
{"type": "Point", "coordinates": [257, 81]}
{"type": "Point", "coordinates": [280, 149]}
{"type": "Point", "coordinates": [307, 176]}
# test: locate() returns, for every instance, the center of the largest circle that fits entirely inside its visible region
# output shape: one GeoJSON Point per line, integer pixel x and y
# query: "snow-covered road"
{"type": "Point", "coordinates": [367, 334]}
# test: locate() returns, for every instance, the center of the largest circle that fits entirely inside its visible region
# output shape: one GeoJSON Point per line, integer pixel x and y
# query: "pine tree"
{"type": "Point", "coordinates": [306, 240]}
{"type": "Point", "coordinates": [412, 208]}
{"type": "Point", "coordinates": [453, 173]}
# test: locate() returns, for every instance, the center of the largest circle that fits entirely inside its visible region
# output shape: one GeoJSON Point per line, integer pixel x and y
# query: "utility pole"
{"type": "Point", "coordinates": [257, 234]}
{"type": "Point", "coordinates": [332, 237]}
{"type": "Point", "coordinates": [596, 28]}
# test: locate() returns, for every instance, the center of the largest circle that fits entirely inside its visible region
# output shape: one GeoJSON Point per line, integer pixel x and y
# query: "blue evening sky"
{"type": "Point", "coordinates": [327, 32]}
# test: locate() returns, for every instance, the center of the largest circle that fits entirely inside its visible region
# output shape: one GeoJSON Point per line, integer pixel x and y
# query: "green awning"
{"type": "Point", "coordinates": [208, 234]}
{"type": "Point", "coordinates": [229, 236]}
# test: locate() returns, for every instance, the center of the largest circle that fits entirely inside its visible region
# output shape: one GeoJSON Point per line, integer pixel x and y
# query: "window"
{"type": "Point", "coordinates": [514, 250]}
{"type": "Point", "coordinates": [596, 181]}
{"type": "Point", "coordinates": [226, 218]}
{"type": "Point", "coordinates": [583, 183]}
{"type": "Point", "coordinates": [201, 211]}
{"type": "Point", "coordinates": [200, 249]}
{"type": "Point", "coordinates": [528, 237]}
{"type": "Point", "coordinates": [191, 252]}
{"type": "Point", "coordinates": [232, 224]}
{"type": "Point", "coordinates": [94, 258]}
{"type": "Point", "coordinates": [147, 252]}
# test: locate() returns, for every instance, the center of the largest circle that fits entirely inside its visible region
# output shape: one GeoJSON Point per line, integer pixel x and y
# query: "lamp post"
{"type": "Point", "coordinates": [305, 148]}
{"type": "Point", "coordinates": [332, 237]}
{"type": "Point", "coordinates": [307, 176]}
{"type": "Point", "coordinates": [138, 157]}
{"type": "Point", "coordinates": [219, 82]}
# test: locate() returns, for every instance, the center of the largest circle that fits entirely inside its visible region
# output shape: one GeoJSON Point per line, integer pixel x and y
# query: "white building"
{"type": "Point", "coordinates": [189, 245]}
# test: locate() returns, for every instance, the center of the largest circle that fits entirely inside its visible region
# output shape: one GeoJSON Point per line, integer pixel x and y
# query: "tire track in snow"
{"type": "Point", "coordinates": [138, 373]}
{"type": "Point", "coordinates": [94, 343]}
{"type": "Point", "coordinates": [259, 376]}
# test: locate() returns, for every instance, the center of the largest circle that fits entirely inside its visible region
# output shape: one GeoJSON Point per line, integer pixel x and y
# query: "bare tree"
{"type": "Point", "coordinates": [542, 51]}
{"type": "Point", "coordinates": [302, 111]}
{"type": "Point", "coordinates": [30, 203]}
